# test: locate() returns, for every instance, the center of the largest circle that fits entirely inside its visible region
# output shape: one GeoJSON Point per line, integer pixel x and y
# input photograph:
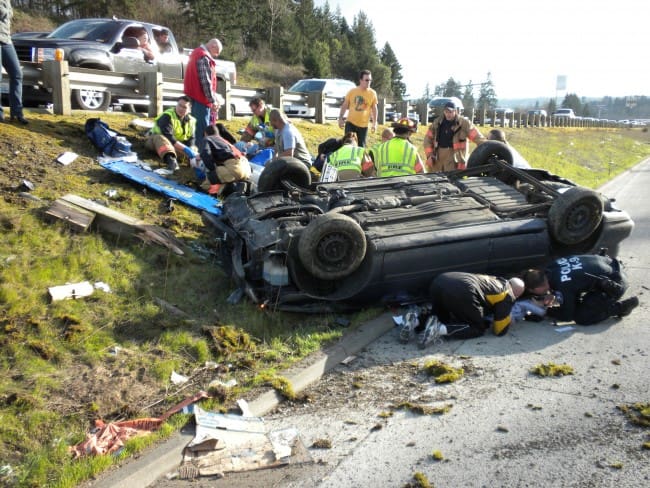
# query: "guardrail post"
{"type": "Point", "coordinates": [56, 75]}
{"type": "Point", "coordinates": [422, 108]}
{"type": "Point", "coordinates": [274, 96]}
{"type": "Point", "coordinates": [317, 100]}
{"type": "Point", "coordinates": [403, 108]}
{"type": "Point", "coordinates": [381, 111]}
{"type": "Point", "coordinates": [151, 83]}
{"type": "Point", "coordinates": [223, 89]}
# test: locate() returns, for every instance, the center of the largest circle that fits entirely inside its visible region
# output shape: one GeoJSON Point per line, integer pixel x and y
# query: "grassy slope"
{"type": "Point", "coordinates": [61, 366]}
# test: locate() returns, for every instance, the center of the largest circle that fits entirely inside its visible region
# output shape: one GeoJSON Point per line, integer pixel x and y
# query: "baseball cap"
{"type": "Point", "coordinates": [450, 105]}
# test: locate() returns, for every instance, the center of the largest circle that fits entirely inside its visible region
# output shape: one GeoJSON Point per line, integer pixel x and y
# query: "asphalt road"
{"type": "Point", "coordinates": [506, 427]}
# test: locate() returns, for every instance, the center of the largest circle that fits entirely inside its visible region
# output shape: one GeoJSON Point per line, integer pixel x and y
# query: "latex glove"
{"type": "Point", "coordinates": [190, 153]}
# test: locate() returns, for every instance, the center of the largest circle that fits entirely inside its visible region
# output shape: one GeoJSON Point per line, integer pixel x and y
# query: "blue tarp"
{"type": "Point", "coordinates": [170, 188]}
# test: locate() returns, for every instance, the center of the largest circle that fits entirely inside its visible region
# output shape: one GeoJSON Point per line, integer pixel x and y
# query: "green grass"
{"type": "Point", "coordinates": [110, 355]}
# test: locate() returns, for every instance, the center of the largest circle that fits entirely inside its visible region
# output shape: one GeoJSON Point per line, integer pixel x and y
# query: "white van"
{"type": "Point", "coordinates": [564, 112]}
{"type": "Point", "coordinates": [332, 88]}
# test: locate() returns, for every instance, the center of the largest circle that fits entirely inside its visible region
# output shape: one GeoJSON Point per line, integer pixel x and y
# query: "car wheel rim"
{"type": "Point", "coordinates": [91, 98]}
{"type": "Point", "coordinates": [333, 250]}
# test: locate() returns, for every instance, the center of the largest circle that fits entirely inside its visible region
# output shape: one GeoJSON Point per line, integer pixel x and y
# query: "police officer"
{"type": "Point", "coordinates": [583, 288]}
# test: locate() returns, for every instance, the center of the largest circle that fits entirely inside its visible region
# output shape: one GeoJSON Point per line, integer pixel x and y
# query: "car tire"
{"type": "Point", "coordinates": [91, 99]}
{"type": "Point", "coordinates": [286, 168]}
{"type": "Point", "coordinates": [483, 152]}
{"type": "Point", "coordinates": [332, 246]}
{"type": "Point", "coordinates": [575, 215]}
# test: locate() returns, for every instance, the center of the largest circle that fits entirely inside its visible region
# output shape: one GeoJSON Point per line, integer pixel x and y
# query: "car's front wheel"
{"type": "Point", "coordinates": [332, 246]}
{"type": "Point", "coordinates": [575, 215]}
{"type": "Point", "coordinates": [91, 99]}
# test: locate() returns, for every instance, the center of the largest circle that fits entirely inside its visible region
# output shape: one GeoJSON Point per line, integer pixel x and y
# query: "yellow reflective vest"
{"type": "Point", "coordinates": [348, 157]}
{"type": "Point", "coordinates": [182, 132]}
{"type": "Point", "coordinates": [395, 157]}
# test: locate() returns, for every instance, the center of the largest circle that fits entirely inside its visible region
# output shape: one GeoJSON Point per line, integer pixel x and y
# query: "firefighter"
{"type": "Point", "coordinates": [445, 143]}
{"type": "Point", "coordinates": [350, 160]}
{"type": "Point", "coordinates": [398, 156]}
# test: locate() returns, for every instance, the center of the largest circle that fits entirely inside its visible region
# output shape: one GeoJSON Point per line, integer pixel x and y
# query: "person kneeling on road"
{"type": "Point", "coordinates": [465, 305]}
{"type": "Point", "coordinates": [172, 135]}
{"type": "Point", "coordinates": [586, 289]}
{"type": "Point", "coordinates": [223, 161]}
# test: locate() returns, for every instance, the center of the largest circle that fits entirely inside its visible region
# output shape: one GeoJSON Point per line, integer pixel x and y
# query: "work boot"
{"type": "Point", "coordinates": [171, 162]}
{"type": "Point", "coordinates": [433, 332]}
{"type": "Point", "coordinates": [625, 307]}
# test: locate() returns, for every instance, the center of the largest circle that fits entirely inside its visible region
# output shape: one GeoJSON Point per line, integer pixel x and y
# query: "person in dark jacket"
{"type": "Point", "coordinates": [465, 305]}
{"type": "Point", "coordinates": [586, 289]}
{"type": "Point", "coordinates": [223, 161]}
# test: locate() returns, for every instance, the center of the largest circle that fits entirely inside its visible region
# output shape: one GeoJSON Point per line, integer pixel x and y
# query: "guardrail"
{"type": "Point", "coordinates": [156, 93]}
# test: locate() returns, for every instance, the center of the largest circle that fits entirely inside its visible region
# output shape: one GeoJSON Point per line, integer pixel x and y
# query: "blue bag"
{"type": "Point", "coordinates": [109, 142]}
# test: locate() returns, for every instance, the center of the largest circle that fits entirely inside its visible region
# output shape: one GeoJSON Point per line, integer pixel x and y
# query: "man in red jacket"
{"type": "Point", "coordinates": [200, 85]}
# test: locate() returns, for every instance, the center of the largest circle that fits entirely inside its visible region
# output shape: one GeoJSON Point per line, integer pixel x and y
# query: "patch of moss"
{"type": "Point", "coordinates": [423, 409]}
{"type": "Point", "coordinates": [637, 413]}
{"type": "Point", "coordinates": [437, 455]}
{"type": "Point", "coordinates": [552, 369]}
{"type": "Point", "coordinates": [228, 340]}
{"type": "Point", "coordinates": [385, 415]}
{"type": "Point", "coordinates": [322, 444]}
{"type": "Point", "coordinates": [443, 373]}
{"type": "Point", "coordinates": [282, 385]}
{"type": "Point", "coordinates": [420, 480]}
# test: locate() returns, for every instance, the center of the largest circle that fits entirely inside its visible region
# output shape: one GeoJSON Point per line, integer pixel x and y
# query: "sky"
{"type": "Point", "coordinates": [601, 47]}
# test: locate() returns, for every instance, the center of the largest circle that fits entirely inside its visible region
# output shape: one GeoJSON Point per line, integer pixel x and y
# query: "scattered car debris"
{"type": "Point", "coordinates": [71, 291]}
{"type": "Point", "coordinates": [66, 158]}
{"type": "Point", "coordinates": [108, 438]}
{"type": "Point", "coordinates": [26, 185]}
{"type": "Point", "coordinates": [348, 360]}
{"type": "Point", "coordinates": [178, 379]}
{"type": "Point", "coordinates": [229, 443]}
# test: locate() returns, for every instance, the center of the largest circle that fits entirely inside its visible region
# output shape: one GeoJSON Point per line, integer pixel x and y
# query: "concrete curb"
{"type": "Point", "coordinates": [167, 456]}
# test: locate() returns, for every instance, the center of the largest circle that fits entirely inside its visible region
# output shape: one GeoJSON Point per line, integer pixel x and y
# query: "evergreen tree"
{"type": "Point", "coordinates": [468, 98]}
{"type": "Point", "coordinates": [451, 88]}
{"type": "Point", "coordinates": [572, 101]}
{"type": "Point", "coordinates": [388, 59]}
{"type": "Point", "coordinates": [487, 99]}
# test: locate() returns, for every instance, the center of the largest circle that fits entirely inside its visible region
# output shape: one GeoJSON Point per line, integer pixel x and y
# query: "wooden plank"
{"type": "Point", "coordinates": [114, 222]}
{"type": "Point", "coordinates": [79, 219]}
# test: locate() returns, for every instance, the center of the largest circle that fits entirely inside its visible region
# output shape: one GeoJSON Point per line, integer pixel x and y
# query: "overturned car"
{"type": "Point", "coordinates": [335, 246]}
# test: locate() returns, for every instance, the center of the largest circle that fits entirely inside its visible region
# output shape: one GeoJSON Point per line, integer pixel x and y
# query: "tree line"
{"type": "Point", "coordinates": [285, 31]}
{"type": "Point", "coordinates": [296, 32]}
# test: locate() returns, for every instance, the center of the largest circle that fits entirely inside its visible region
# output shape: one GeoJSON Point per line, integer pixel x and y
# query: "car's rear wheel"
{"type": "Point", "coordinates": [332, 246]}
{"type": "Point", "coordinates": [575, 215]}
{"type": "Point", "coordinates": [286, 168]}
{"type": "Point", "coordinates": [91, 99]}
{"type": "Point", "coordinates": [483, 152]}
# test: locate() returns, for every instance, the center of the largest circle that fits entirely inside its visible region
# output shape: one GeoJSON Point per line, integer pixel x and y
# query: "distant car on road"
{"type": "Point", "coordinates": [564, 112]}
{"type": "Point", "coordinates": [437, 104]}
{"type": "Point", "coordinates": [540, 113]}
{"type": "Point", "coordinates": [332, 87]}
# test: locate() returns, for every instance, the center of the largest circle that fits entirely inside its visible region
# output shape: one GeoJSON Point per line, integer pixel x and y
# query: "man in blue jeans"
{"type": "Point", "coordinates": [9, 60]}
